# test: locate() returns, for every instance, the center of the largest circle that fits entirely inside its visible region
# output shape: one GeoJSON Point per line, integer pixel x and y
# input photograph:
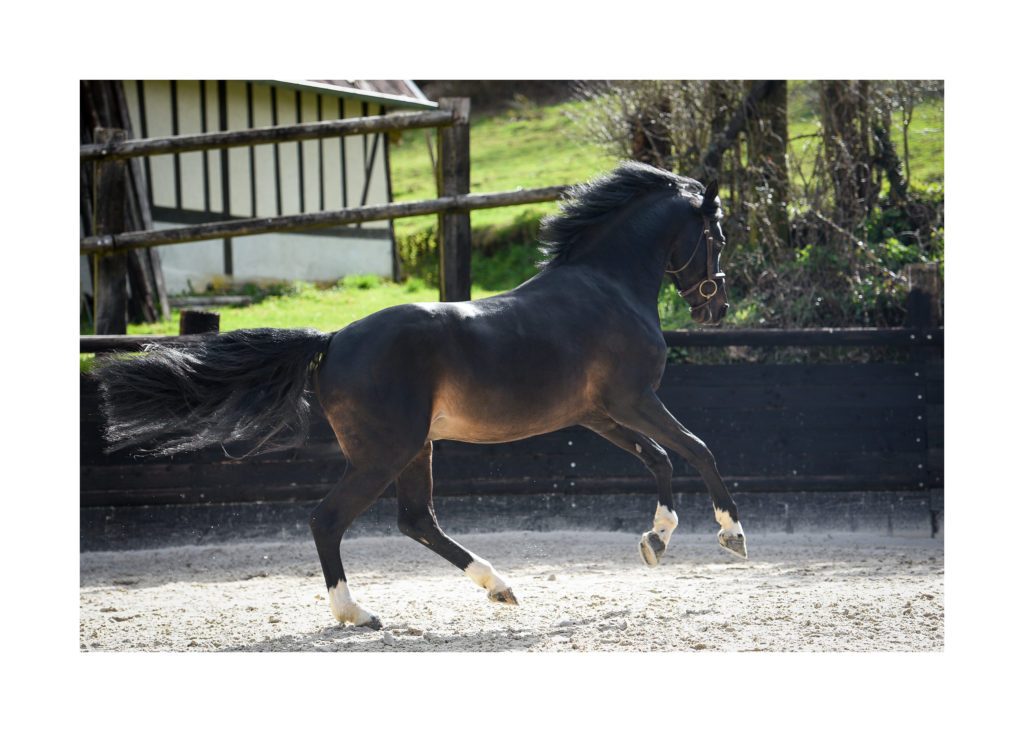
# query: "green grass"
{"type": "Point", "coordinates": [306, 305]}
{"type": "Point", "coordinates": [531, 147]}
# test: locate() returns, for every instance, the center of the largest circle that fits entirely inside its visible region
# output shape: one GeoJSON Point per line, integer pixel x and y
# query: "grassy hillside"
{"type": "Point", "coordinates": [525, 147]}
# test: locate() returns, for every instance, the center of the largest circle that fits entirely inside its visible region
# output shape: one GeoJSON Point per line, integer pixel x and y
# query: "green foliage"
{"type": "Point", "coordinates": [507, 267]}
{"type": "Point", "coordinates": [503, 257]}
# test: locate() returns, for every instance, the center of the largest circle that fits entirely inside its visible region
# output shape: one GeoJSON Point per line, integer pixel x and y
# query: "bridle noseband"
{"type": "Point", "coordinates": [712, 276]}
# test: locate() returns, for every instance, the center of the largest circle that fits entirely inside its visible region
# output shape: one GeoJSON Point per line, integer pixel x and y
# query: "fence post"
{"type": "Point", "coordinates": [194, 322]}
{"type": "Point", "coordinates": [453, 179]}
{"type": "Point", "coordinates": [924, 301]}
{"type": "Point", "coordinates": [110, 287]}
{"type": "Point", "coordinates": [924, 310]}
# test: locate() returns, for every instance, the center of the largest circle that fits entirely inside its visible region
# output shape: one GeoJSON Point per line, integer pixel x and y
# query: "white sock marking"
{"type": "Point", "coordinates": [665, 522]}
{"type": "Point", "coordinates": [345, 609]}
{"type": "Point", "coordinates": [729, 526]}
{"type": "Point", "coordinates": [481, 572]}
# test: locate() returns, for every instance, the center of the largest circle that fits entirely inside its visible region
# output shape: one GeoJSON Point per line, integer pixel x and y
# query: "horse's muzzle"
{"type": "Point", "coordinates": [708, 314]}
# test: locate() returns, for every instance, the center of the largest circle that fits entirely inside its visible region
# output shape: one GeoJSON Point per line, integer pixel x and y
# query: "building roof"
{"type": "Point", "coordinates": [393, 93]}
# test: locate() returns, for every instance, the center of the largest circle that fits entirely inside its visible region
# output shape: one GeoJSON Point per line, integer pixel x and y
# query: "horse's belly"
{"type": "Point", "coordinates": [484, 417]}
{"type": "Point", "coordinates": [467, 429]}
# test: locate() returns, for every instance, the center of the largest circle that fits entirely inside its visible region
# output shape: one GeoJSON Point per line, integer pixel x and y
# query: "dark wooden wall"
{"type": "Point", "coordinates": [807, 427]}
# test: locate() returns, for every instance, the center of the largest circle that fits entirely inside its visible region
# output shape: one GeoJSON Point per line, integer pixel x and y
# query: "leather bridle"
{"type": "Point", "coordinates": [710, 282]}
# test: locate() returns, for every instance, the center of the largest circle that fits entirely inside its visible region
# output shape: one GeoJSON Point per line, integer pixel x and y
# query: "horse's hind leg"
{"type": "Point", "coordinates": [330, 519]}
{"type": "Point", "coordinates": [416, 519]}
{"type": "Point", "coordinates": [653, 543]}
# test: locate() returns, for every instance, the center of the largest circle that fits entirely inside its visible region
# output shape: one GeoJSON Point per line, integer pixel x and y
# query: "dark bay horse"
{"type": "Point", "coordinates": [578, 344]}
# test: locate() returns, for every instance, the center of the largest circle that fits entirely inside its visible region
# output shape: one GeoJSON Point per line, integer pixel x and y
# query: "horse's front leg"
{"type": "Point", "coordinates": [653, 543]}
{"type": "Point", "coordinates": [649, 416]}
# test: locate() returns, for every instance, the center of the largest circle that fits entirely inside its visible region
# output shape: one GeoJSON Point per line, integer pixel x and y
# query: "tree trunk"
{"type": "Point", "coordinates": [767, 135]}
{"type": "Point", "coordinates": [847, 152]}
{"type": "Point", "coordinates": [711, 163]}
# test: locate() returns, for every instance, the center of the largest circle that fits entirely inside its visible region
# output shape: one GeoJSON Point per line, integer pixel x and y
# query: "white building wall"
{"type": "Point", "coordinates": [325, 256]}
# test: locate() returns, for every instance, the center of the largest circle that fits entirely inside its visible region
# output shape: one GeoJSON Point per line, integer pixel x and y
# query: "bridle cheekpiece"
{"type": "Point", "coordinates": [711, 280]}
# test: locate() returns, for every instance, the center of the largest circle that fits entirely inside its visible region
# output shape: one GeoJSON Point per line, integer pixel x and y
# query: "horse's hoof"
{"type": "Point", "coordinates": [733, 543]}
{"type": "Point", "coordinates": [652, 548]}
{"type": "Point", "coordinates": [373, 623]}
{"type": "Point", "coordinates": [505, 597]}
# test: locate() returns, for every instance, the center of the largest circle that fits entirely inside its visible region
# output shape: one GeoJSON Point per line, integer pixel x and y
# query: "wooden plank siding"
{"type": "Point", "coordinates": [276, 179]}
{"type": "Point", "coordinates": [875, 426]}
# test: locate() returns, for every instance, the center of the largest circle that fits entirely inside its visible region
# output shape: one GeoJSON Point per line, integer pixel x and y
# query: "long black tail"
{"type": "Point", "coordinates": [243, 386]}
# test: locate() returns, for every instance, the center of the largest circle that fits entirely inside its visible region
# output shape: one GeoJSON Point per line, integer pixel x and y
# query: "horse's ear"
{"type": "Point", "coordinates": [709, 206]}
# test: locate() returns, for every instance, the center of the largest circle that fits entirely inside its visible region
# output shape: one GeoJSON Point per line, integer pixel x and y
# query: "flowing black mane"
{"type": "Point", "coordinates": [589, 203]}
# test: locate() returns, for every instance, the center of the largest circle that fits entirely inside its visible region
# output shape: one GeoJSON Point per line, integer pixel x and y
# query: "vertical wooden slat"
{"type": "Point", "coordinates": [320, 149]}
{"type": "Point", "coordinates": [204, 127]}
{"type": "Point", "coordinates": [277, 151]}
{"type": "Point", "coordinates": [396, 264]}
{"type": "Point", "coordinates": [252, 148]}
{"type": "Point", "coordinates": [225, 173]}
{"type": "Point", "coordinates": [369, 162]}
{"type": "Point", "coordinates": [175, 131]}
{"type": "Point", "coordinates": [454, 228]}
{"type": "Point", "coordinates": [144, 130]}
{"type": "Point", "coordinates": [109, 198]}
{"type": "Point", "coordinates": [300, 153]}
{"type": "Point", "coordinates": [344, 170]}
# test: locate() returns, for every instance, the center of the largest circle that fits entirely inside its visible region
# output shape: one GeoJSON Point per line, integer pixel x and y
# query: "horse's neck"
{"type": "Point", "coordinates": [634, 256]}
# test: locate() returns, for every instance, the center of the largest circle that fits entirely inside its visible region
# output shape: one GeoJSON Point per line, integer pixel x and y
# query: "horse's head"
{"type": "Point", "coordinates": [695, 262]}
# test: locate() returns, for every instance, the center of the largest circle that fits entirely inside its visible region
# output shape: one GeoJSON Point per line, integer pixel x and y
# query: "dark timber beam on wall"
{"type": "Point", "coordinates": [110, 192]}
{"type": "Point", "coordinates": [453, 180]}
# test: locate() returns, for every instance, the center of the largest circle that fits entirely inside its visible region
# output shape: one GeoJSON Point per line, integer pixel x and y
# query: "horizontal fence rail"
{"type": "Point", "coordinates": [909, 337]}
{"type": "Point", "coordinates": [265, 135]}
{"type": "Point", "coordinates": [360, 214]}
{"type": "Point", "coordinates": [900, 337]}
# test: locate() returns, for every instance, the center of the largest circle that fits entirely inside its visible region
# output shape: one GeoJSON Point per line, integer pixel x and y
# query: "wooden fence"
{"type": "Point", "coordinates": [109, 243]}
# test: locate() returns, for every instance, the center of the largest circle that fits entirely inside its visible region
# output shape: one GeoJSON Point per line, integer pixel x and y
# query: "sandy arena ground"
{"type": "Point", "coordinates": [578, 591]}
